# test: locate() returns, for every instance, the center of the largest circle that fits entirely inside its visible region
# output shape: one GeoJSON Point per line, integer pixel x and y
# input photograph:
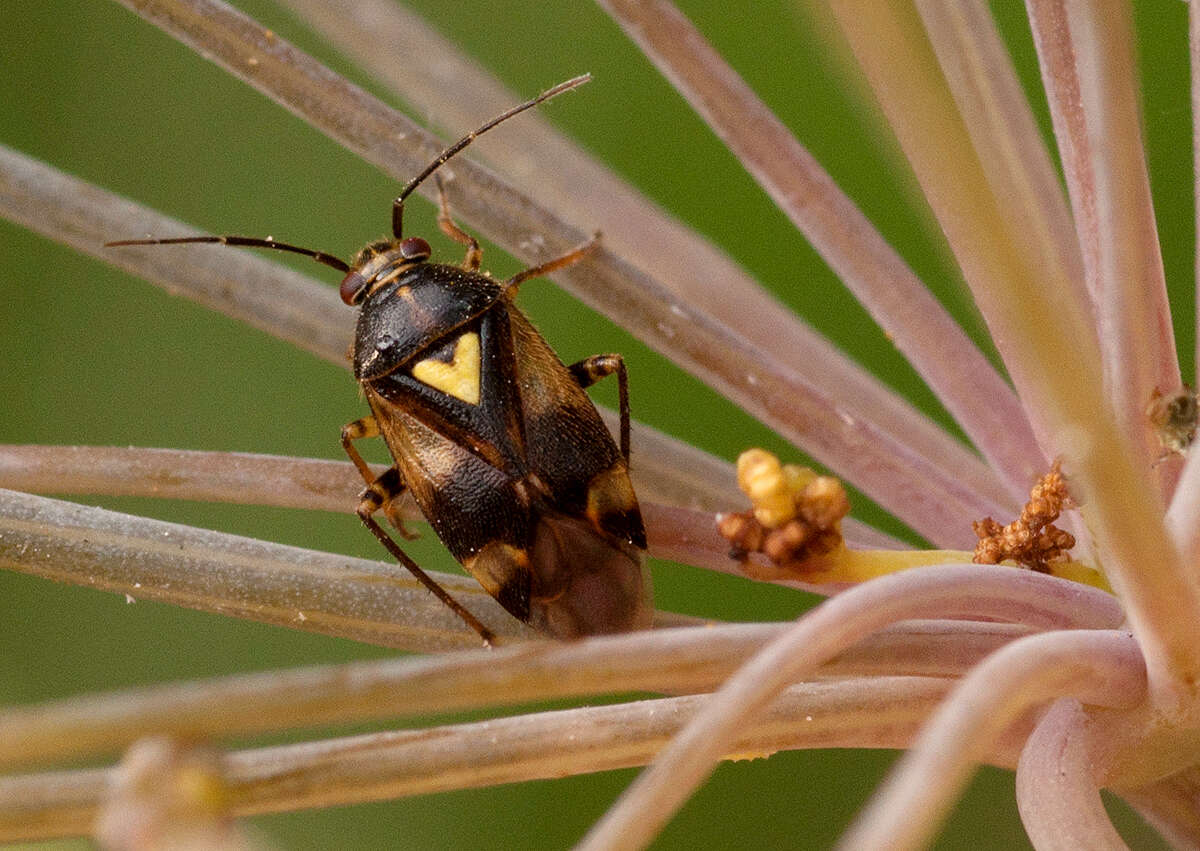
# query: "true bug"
{"type": "Point", "coordinates": [502, 449]}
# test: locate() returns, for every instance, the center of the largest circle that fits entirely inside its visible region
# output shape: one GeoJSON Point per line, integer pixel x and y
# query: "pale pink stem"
{"type": "Point", "coordinates": [680, 534]}
{"type": "Point", "coordinates": [1101, 667]}
{"type": "Point", "coordinates": [976, 66]}
{"type": "Point", "coordinates": [947, 591]}
{"type": "Point", "coordinates": [1056, 788]}
{"type": "Point", "coordinates": [235, 477]}
{"type": "Point", "coordinates": [1183, 514]}
{"type": "Point", "coordinates": [1092, 86]}
{"type": "Point", "coordinates": [669, 660]}
{"type": "Point", "coordinates": [1056, 57]}
{"type": "Point", "coordinates": [690, 537]}
{"type": "Point", "coordinates": [238, 577]}
{"type": "Point", "coordinates": [873, 712]}
{"type": "Point", "coordinates": [901, 304]}
{"type": "Point", "coordinates": [959, 182]}
{"type": "Point", "coordinates": [240, 284]}
{"type": "Point", "coordinates": [938, 496]}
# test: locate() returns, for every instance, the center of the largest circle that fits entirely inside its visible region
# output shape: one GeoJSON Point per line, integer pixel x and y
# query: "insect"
{"type": "Point", "coordinates": [1174, 416]}
{"type": "Point", "coordinates": [493, 435]}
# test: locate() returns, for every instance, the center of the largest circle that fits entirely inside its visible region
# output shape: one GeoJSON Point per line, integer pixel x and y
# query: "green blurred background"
{"type": "Point", "coordinates": [91, 356]}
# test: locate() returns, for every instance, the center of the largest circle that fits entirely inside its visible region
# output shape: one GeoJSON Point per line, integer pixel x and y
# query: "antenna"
{"type": "Point", "coordinates": [252, 242]}
{"type": "Point", "coordinates": [398, 204]}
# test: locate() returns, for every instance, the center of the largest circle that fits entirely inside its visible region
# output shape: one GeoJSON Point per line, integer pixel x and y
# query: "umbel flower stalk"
{"type": "Point", "coordinates": [1048, 214]}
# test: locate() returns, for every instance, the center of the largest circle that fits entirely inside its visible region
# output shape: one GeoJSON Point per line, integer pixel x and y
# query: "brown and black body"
{"type": "Point", "coordinates": [497, 440]}
{"type": "Point", "coordinates": [512, 466]}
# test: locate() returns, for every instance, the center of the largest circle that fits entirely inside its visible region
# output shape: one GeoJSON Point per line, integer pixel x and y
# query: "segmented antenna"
{"type": "Point", "coordinates": [250, 241]}
{"type": "Point", "coordinates": [397, 205]}
{"type": "Point", "coordinates": [470, 137]}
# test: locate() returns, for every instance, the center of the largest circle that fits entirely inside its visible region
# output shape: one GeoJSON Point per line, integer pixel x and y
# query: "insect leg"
{"type": "Point", "coordinates": [386, 487]}
{"type": "Point", "coordinates": [572, 256]}
{"type": "Point", "coordinates": [379, 494]}
{"type": "Point", "coordinates": [449, 228]}
{"type": "Point", "coordinates": [359, 430]}
{"type": "Point", "coordinates": [365, 510]}
{"type": "Point", "coordinates": [590, 370]}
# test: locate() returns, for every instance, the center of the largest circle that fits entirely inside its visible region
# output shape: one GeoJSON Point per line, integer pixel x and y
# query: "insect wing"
{"type": "Point", "coordinates": [586, 554]}
{"type": "Point", "coordinates": [566, 442]}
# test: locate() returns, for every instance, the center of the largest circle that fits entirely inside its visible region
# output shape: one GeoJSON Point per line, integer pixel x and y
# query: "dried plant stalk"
{"type": "Point", "coordinates": [691, 660]}
{"type": "Point", "coordinates": [879, 712]}
{"type": "Point", "coordinates": [292, 587]}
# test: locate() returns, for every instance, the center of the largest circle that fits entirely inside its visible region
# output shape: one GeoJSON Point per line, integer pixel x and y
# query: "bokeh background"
{"type": "Point", "coordinates": [89, 355]}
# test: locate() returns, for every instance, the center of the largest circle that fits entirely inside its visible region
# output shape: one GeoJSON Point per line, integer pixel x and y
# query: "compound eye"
{"type": "Point", "coordinates": [352, 289]}
{"type": "Point", "coordinates": [415, 248]}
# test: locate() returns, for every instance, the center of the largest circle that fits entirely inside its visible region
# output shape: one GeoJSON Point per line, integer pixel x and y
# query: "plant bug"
{"type": "Point", "coordinates": [494, 436]}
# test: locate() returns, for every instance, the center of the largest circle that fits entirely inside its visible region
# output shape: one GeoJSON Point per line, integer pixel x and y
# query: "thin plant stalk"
{"type": "Point", "coordinates": [1137, 338]}
{"type": "Point", "coordinates": [241, 577]}
{"type": "Point", "coordinates": [680, 661]}
{"type": "Point", "coordinates": [879, 712]}
{"type": "Point", "coordinates": [1099, 667]}
{"type": "Point", "coordinates": [1060, 805]}
{"type": "Point", "coordinates": [1182, 513]}
{"type": "Point", "coordinates": [681, 534]}
{"type": "Point", "coordinates": [904, 308]}
{"type": "Point", "coordinates": [1045, 339]}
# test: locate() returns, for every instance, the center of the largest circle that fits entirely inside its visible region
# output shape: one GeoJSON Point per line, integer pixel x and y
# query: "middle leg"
{"type": "Point", "coordinates": [590, 370]}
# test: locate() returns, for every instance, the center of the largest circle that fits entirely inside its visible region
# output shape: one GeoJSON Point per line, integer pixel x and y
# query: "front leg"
{"type": "Point", "coordinates": [382, 490]}
{"type": "Point", "coordinates": [366, 510]}
{"type": "Point", "coordinates": [379, 493]}
{"type": "Point", "coordinates": [572, 256]}
{"type": "Point", "coordinates": [590, 370]}
{"type": "Point", "coordinates": [360, 430]}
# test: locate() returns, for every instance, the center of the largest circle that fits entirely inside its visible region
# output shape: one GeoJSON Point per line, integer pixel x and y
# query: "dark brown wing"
{"type": "Point", "coordinates": [567, 444]}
